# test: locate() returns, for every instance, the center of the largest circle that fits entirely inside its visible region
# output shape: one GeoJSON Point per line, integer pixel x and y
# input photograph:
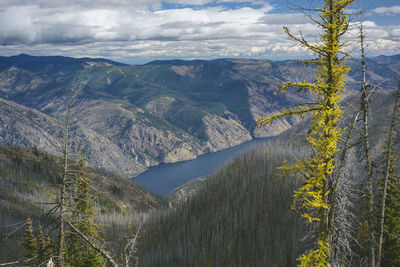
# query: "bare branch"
{"type": "Point", "coordinates": [92, 243]}
{"type": "Point", "coordinates": [131, 246]}
{"type": "Point", "coordinates": [19, 263]}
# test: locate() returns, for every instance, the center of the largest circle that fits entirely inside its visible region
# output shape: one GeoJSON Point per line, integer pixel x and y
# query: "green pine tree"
{"type": "Point", "coordinates": [79, 254]}
{"type": "Point", "coordinates": [44, 247]}
{"type": "Point", "coordinates": [30, 244]}
{"type": "Point", "coordinates": [48, 252]}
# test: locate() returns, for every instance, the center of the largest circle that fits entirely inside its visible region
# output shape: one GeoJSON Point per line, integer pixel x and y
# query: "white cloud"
{"type": "Point", "coordinates": [382, 46]}
{"type": "Point", "coordinates": [393, 10]}
{"type": "Point", "coordinates": [190, 2]}
{"type": "Point", "coordinates": [35, 24]}
{"type": "Point", "coordinates": [287, 18]}
{"type": "Point", "coordinates": [254, 2]}
{"type": "Point", "coordinates": [142, 29]}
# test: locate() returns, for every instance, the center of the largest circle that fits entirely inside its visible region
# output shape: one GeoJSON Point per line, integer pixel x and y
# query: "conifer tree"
{"type": "Point", "coordinates": [44, 247]}
{"type": "Point", "coordinates": [30, 244]}
{"type": "Point", "coordinates": [63, 199]}
{"type": "Point", "coordinates": [79, 253]}
{"type": "Point", "coordinates": [63, 203]}
{"type": "Point", "coordinates": [48, 252]}
{"type": "Point", "coordinates": [316, 197]}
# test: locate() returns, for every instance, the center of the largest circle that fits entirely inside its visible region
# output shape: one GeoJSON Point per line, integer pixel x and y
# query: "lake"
{"type": "Point", "coordinates": [164, 178]}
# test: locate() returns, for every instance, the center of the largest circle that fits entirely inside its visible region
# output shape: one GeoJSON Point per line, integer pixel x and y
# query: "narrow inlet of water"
{"type": "Point", "coordinates": [164, 178]}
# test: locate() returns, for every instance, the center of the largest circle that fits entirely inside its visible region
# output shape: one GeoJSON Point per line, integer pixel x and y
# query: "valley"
{"type": "Point", "coordinates": [129, 118]}
{"type": "Point", "coordinates": [164, 178]}
{"type": "Point", "coordinates": [200, 133]}
{"type": "Point", "coordinates": [182, 130]}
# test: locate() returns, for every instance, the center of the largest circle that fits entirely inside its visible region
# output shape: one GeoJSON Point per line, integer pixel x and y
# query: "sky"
{"type": "Point", "coordinates": [139, 31]}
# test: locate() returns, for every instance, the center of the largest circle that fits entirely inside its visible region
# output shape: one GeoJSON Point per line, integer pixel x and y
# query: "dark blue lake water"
{"type": "Point", "coordinates": [163, 178]}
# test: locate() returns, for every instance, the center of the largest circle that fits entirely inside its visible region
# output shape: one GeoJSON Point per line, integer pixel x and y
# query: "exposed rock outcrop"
{"type": "Point", "coordinates": [127, 118]}
{"type": "Point", "coordinates": [27, 127]}
{"type": "Point", "coordinates": [224, 132]}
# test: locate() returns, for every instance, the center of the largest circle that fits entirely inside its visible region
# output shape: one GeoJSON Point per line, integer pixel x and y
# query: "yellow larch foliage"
{"type": "Point", "coordinates": [316, 196]}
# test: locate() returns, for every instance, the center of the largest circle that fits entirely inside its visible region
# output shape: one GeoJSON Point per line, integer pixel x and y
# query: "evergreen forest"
{"type": "Point", "coordinates": [324, 191]}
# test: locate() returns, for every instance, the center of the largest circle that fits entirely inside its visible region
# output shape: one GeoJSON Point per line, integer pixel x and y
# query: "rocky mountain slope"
{"type": "Point", "coordinates": [127, 118]}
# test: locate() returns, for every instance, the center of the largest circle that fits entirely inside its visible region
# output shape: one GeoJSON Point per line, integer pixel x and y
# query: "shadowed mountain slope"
{"type": "Point", "coordinates": [28, 180]}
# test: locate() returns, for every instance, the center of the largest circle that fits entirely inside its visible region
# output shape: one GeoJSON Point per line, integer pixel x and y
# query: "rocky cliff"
{"type": "Point", "coordinates": [127, 118]}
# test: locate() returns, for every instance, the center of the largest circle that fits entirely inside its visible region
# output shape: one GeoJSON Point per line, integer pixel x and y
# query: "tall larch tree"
{"type": "Point", "coordinates": [316, 197]}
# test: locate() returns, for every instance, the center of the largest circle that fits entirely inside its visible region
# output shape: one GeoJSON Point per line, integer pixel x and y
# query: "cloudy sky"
{"type": "Point", "coordinates": [137, 31]}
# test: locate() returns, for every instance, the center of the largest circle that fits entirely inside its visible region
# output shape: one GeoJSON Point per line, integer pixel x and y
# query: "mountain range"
{"type": "Point", "coordinates": [126, 118]}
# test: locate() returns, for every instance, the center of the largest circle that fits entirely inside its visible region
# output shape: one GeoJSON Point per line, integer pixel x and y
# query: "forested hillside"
{"type": "Point", "coordinates": [251, 222]}
{"type": "Point", "coordinates": [320, 189]}
{"type": "Point", "coordinates": [29, 185]}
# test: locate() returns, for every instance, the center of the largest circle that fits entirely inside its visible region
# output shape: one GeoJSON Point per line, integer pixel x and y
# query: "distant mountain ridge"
{"type": "Point", "coordinates": [35, 62]}
{"type": "Point", "coordinates": [129, 117]}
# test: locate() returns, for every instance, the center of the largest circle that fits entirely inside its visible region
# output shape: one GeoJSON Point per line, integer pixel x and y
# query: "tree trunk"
{"type": "Point", "coordinates": [387, 172]}
{"type": "Point", "coordinates": [93, 245]}
{"type": "Point", "coordinates": [63, 189]}
{"type": "Point", "coordinates": [365, 138]}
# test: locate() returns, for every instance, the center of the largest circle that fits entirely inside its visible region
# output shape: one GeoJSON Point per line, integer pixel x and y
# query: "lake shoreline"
{"type": "Point", "coordinates": [165, 177]}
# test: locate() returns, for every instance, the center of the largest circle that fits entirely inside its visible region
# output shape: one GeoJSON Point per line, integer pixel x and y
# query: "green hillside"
{"type": "Point", "coordinates": [28, 180]}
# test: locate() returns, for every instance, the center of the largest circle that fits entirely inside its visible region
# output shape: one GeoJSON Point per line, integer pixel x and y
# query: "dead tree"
{"type": "Point", "coordinates": [62, 204]}
{"type": "Point", "coordinates": [389, 152]}
{"type": "Point", "coordinates": [98, 247]}
{"type": "Point", "coordinates": [343, 218]}
{"type": "Point", "coordinates": [17, 263]}
{"type": "Point", "coordinates": [364, 109]}
{"type": "Point", "coordinates": [130, 250]}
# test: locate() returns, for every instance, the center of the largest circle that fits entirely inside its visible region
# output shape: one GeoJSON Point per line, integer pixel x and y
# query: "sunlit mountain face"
{"type": "Point", "coordinates": [131, 117]}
